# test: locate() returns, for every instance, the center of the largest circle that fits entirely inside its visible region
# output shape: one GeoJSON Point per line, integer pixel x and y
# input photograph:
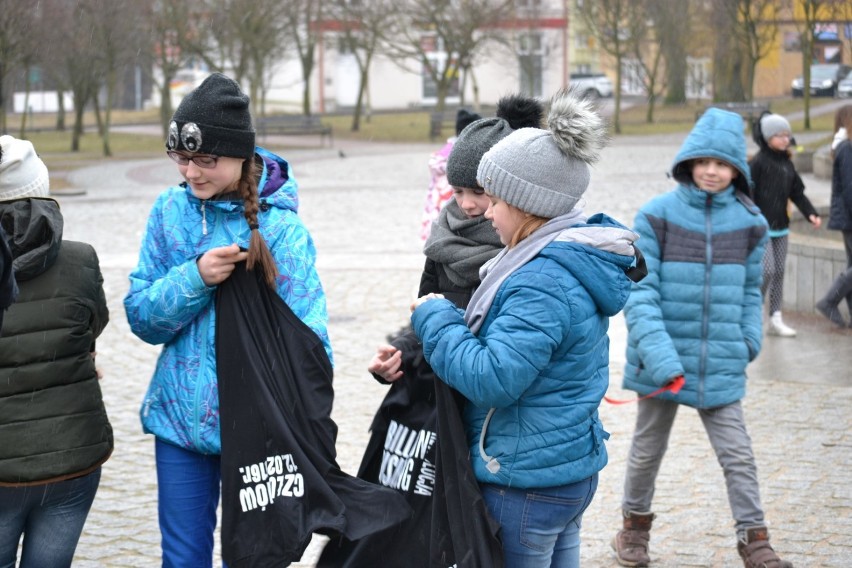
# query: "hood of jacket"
{"type": "Point", "coordinates": [276, 187]}
{"type": "Point", "coordinates": [717, 134]}
{"type": "Point", "coordinates": [34, 227]}
{"type": "Point", "coordinates": [598, 254]}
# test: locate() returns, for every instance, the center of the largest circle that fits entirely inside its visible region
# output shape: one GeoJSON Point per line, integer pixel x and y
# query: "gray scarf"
{"type": "Point", "coordinates": [495, 271]}
{"type": "Point", "coordinates": [461, 244]}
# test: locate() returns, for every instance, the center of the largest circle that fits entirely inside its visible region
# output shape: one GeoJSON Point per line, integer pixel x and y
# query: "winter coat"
{"type": "Point", "coordinates": [841, 188]}
{"type": "Point", "coordinates": [775, 183]}
{"type": "Point", "coordinates": [52, 414]}
{"type": "Point", "coordinates": [168, 302]}
{"type": "Point", "coordinates": [8, 286]}
{"type": "Point", "coordinates": [698, 312]}
{"type": "Point", "coordinates": [540, 360]}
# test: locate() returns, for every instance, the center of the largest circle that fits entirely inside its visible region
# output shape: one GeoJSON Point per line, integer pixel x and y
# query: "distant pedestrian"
{"type": "Point", "coordinates": [238, 203]}
{"type": "Point", "coordinates": [54, 430]}
{"type": "Point", "coordinates": [697, 316]}
{"type": "Point", "coordinates": [840, 218]}
{"type": "Point", "coordinates": [531, 352]}
{"type": "Point", "coordinates": [776, 184]}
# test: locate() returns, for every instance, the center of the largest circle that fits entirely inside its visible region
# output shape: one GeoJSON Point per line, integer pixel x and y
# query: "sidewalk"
{"type": "Point", "coordinates": [364, 210]}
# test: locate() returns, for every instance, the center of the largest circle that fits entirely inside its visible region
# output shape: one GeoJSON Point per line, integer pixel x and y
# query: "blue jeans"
{"type": "Point", "coordinates": [51, 518]}
{"type": "Point", "coordinates": [540, 527]}
{"type": "Point", "coordinates": [188, 493]}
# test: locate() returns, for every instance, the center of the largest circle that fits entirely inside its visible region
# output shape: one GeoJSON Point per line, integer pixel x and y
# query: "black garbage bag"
{"type": "Point", "coordinates": [418, 447]}
{"type": "Point", "coordinates": [280, 478]}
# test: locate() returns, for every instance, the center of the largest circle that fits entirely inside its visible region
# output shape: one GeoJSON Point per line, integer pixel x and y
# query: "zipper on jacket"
{"type": "Point", "coordinates": [203, 217]}
{"type": "Point", "coordinates": [705, 323]}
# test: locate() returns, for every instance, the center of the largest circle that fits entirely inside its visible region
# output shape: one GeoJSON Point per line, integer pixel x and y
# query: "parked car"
{"type": "Point", "coordinates": [844, 87]}
{"type": "Point", "coordinates": [824, 79]}
{"type": "Point", "coordinates": [593, 85]}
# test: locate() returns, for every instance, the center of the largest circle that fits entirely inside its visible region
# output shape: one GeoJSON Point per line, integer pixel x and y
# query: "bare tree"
{"type": "Point", "coordinates": [813, 12]}
{"type": "Point", "coordinates": [444, 36]}
{"type": "Point", "coordinates": [672, 27]}
{"type": "Point", "coordinates": [303, 20]}
{"type": "Point", "coordinates": [644, 43]}
{"type": "Point", "coordinates": [608, 21]}
{"type": "Point", "coordinates": [168, 24]}
{"type": "Point", "coordinates": [17, 26]}
{"type": "Point", "coordinates": [363, 26]}
{"type": "Point", "coordinates": [754, 28]}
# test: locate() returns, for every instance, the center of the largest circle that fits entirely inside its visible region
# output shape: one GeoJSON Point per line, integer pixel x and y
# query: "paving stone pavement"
{"type": "Point", "coordinates": [364, 210]}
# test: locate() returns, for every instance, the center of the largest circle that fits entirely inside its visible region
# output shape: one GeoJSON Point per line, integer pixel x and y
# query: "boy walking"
{"type": "Point", "coordinates": [697, 316]}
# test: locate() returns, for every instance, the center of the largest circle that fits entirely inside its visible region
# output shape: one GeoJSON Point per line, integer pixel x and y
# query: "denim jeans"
{"type": "Point", "coordinates": [725, 427]}
{"type": "Point", "coordinates": [188, 493]}
{"type": "Point", "coordinates": [540, 527]}
{"type": "Point", "coordinates": [50, 517]}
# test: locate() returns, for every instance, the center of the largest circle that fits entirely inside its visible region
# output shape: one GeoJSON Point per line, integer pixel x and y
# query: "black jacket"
{"type": "Point", "coordinates": [280, 478]}
{"type": "Point", "coordinates": [8, 286]}
{"type": "Point", "coordinates": [50, 396]}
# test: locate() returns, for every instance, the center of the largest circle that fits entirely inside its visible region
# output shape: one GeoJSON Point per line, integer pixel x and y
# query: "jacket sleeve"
{"type": "Point", "coordinates": [299, 284]}
{"type": "Point", "coordinates": [100, 311]}
{"type": "Point", "coordinates": [163, 299]}
{"type": "Point", "coordinates": [429, 279]}
{"type": "Point", "coordinates": [644, 315]}
{"type": "Point", "coordinates": [752, 324]}
{"type": "Point", "coordinates": [843, 164]}
{"type": "Point", "coordinates": [494, 369]}
{"type": "Point", "coordinates": [798, 197]}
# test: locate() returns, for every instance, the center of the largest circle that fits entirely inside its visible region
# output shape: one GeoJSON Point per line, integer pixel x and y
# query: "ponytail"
{"type": "Point", "coordinates": [258, 252]}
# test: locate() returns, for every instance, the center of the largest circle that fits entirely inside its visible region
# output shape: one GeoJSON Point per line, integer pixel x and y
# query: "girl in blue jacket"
{"type": "Point", "coordinates": [531, 353]}
{"type": "Point", "coordinates": [697, 316]}
{"type": "Point", "coordinates": [238, 203]}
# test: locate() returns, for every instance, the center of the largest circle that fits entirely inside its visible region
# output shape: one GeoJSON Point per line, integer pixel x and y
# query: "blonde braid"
{"type": "Point", "coordinates": [258, 252]}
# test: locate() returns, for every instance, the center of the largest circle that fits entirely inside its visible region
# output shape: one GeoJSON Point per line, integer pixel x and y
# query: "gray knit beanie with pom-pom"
{"type": "Point", "coordinates": [546, 172]}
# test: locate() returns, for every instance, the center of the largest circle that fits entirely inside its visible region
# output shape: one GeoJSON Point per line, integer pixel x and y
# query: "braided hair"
{"type": "Point", "coordinates": [258, 252]}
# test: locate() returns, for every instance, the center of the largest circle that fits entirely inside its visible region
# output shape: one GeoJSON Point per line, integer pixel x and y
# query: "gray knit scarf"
{"type": "Point", "coordinates": [495, 271]}
{"type": "Point", "coordinates": [461, 244]}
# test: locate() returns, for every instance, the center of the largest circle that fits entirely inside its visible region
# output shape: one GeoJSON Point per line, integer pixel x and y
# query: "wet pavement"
{"type": "Point", "coordinates": [364, 211]}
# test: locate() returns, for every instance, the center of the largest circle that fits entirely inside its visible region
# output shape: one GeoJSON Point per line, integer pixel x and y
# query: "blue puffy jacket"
{"type": "Point", "coordinates": [540, 359]}
{"type": "Point", "coordinates": [169, 304]}
{"type": "Point", "coordinates": [698, 312]}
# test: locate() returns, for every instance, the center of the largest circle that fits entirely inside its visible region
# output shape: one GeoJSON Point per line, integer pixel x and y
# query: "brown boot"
{"type": "Point", "coordinates": [756, 552]}
{"type": "Point", "coordinates": [631, 542]}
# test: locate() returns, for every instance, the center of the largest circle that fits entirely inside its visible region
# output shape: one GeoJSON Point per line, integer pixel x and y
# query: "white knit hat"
{"type": "Point", "coordinates": [22, 173]}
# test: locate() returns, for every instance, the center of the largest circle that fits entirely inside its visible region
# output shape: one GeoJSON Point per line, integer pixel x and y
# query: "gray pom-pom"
{"type": "Point", "coordinates": [577, 126]}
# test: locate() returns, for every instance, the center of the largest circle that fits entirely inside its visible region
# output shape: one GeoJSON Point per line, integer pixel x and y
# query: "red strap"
{"type": "Point", "coordinates": [673, 387]}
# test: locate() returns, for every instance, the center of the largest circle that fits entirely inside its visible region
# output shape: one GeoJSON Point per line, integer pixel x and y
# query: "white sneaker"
{"type": "Point", "coordinates": [778, 327]}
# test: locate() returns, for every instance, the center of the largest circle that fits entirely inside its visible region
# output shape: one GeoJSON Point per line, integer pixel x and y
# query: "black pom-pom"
{"type": "Point", "coordinates": [520, 111]}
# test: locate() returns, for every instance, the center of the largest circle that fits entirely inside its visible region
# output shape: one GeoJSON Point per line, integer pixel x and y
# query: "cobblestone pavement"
{"type": "Point", "coordinates": [363, 210]}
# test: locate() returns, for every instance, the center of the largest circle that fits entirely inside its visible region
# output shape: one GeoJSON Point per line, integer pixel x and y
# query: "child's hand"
{"type": "Point", "coordinates": [386, 363]}
{"type": "Point", "coordinates": [815, 220]}
{"type": "Point", "coordinates": [416, 303]}
{"type": "Point", "coordinates": [217, 264]}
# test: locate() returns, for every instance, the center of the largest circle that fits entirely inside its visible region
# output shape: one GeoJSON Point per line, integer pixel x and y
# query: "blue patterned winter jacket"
{"type": "Point", "coordinates": [698, 311]}
{"type": "Point", "coordinates": [169, 304]}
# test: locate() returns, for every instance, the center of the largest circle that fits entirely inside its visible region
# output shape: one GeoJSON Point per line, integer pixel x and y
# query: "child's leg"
{"type": "Point", "coordinates": [726, 429]}
{"type": "Point", "coordinates": [654, 421]}
{"type": "Point", "coordinates": [773, 272]}
{"type": "Point", "coordinates": [188, 487]}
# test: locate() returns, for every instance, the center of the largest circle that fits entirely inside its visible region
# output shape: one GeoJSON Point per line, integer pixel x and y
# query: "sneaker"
{"type": "Point", "coordinates": [779, 328]}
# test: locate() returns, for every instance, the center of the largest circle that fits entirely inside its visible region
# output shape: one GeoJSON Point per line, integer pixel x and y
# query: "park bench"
{"type": "Point", "coordinates": [294, 125]}
{"type": "Point", "coordinates": [749, 110]}
{"type": "Point", "coordinates": [440, 121]}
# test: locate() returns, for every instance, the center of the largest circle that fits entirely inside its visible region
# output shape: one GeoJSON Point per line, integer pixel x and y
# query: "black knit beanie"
{"type": "Point", "coordinates": [513, 112]}
{"type": "Point", "coordinates": [213, 119]}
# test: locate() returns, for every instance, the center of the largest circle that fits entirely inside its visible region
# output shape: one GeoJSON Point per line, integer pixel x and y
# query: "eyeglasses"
{"type": "Point", "coordinates": [206, 161]}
